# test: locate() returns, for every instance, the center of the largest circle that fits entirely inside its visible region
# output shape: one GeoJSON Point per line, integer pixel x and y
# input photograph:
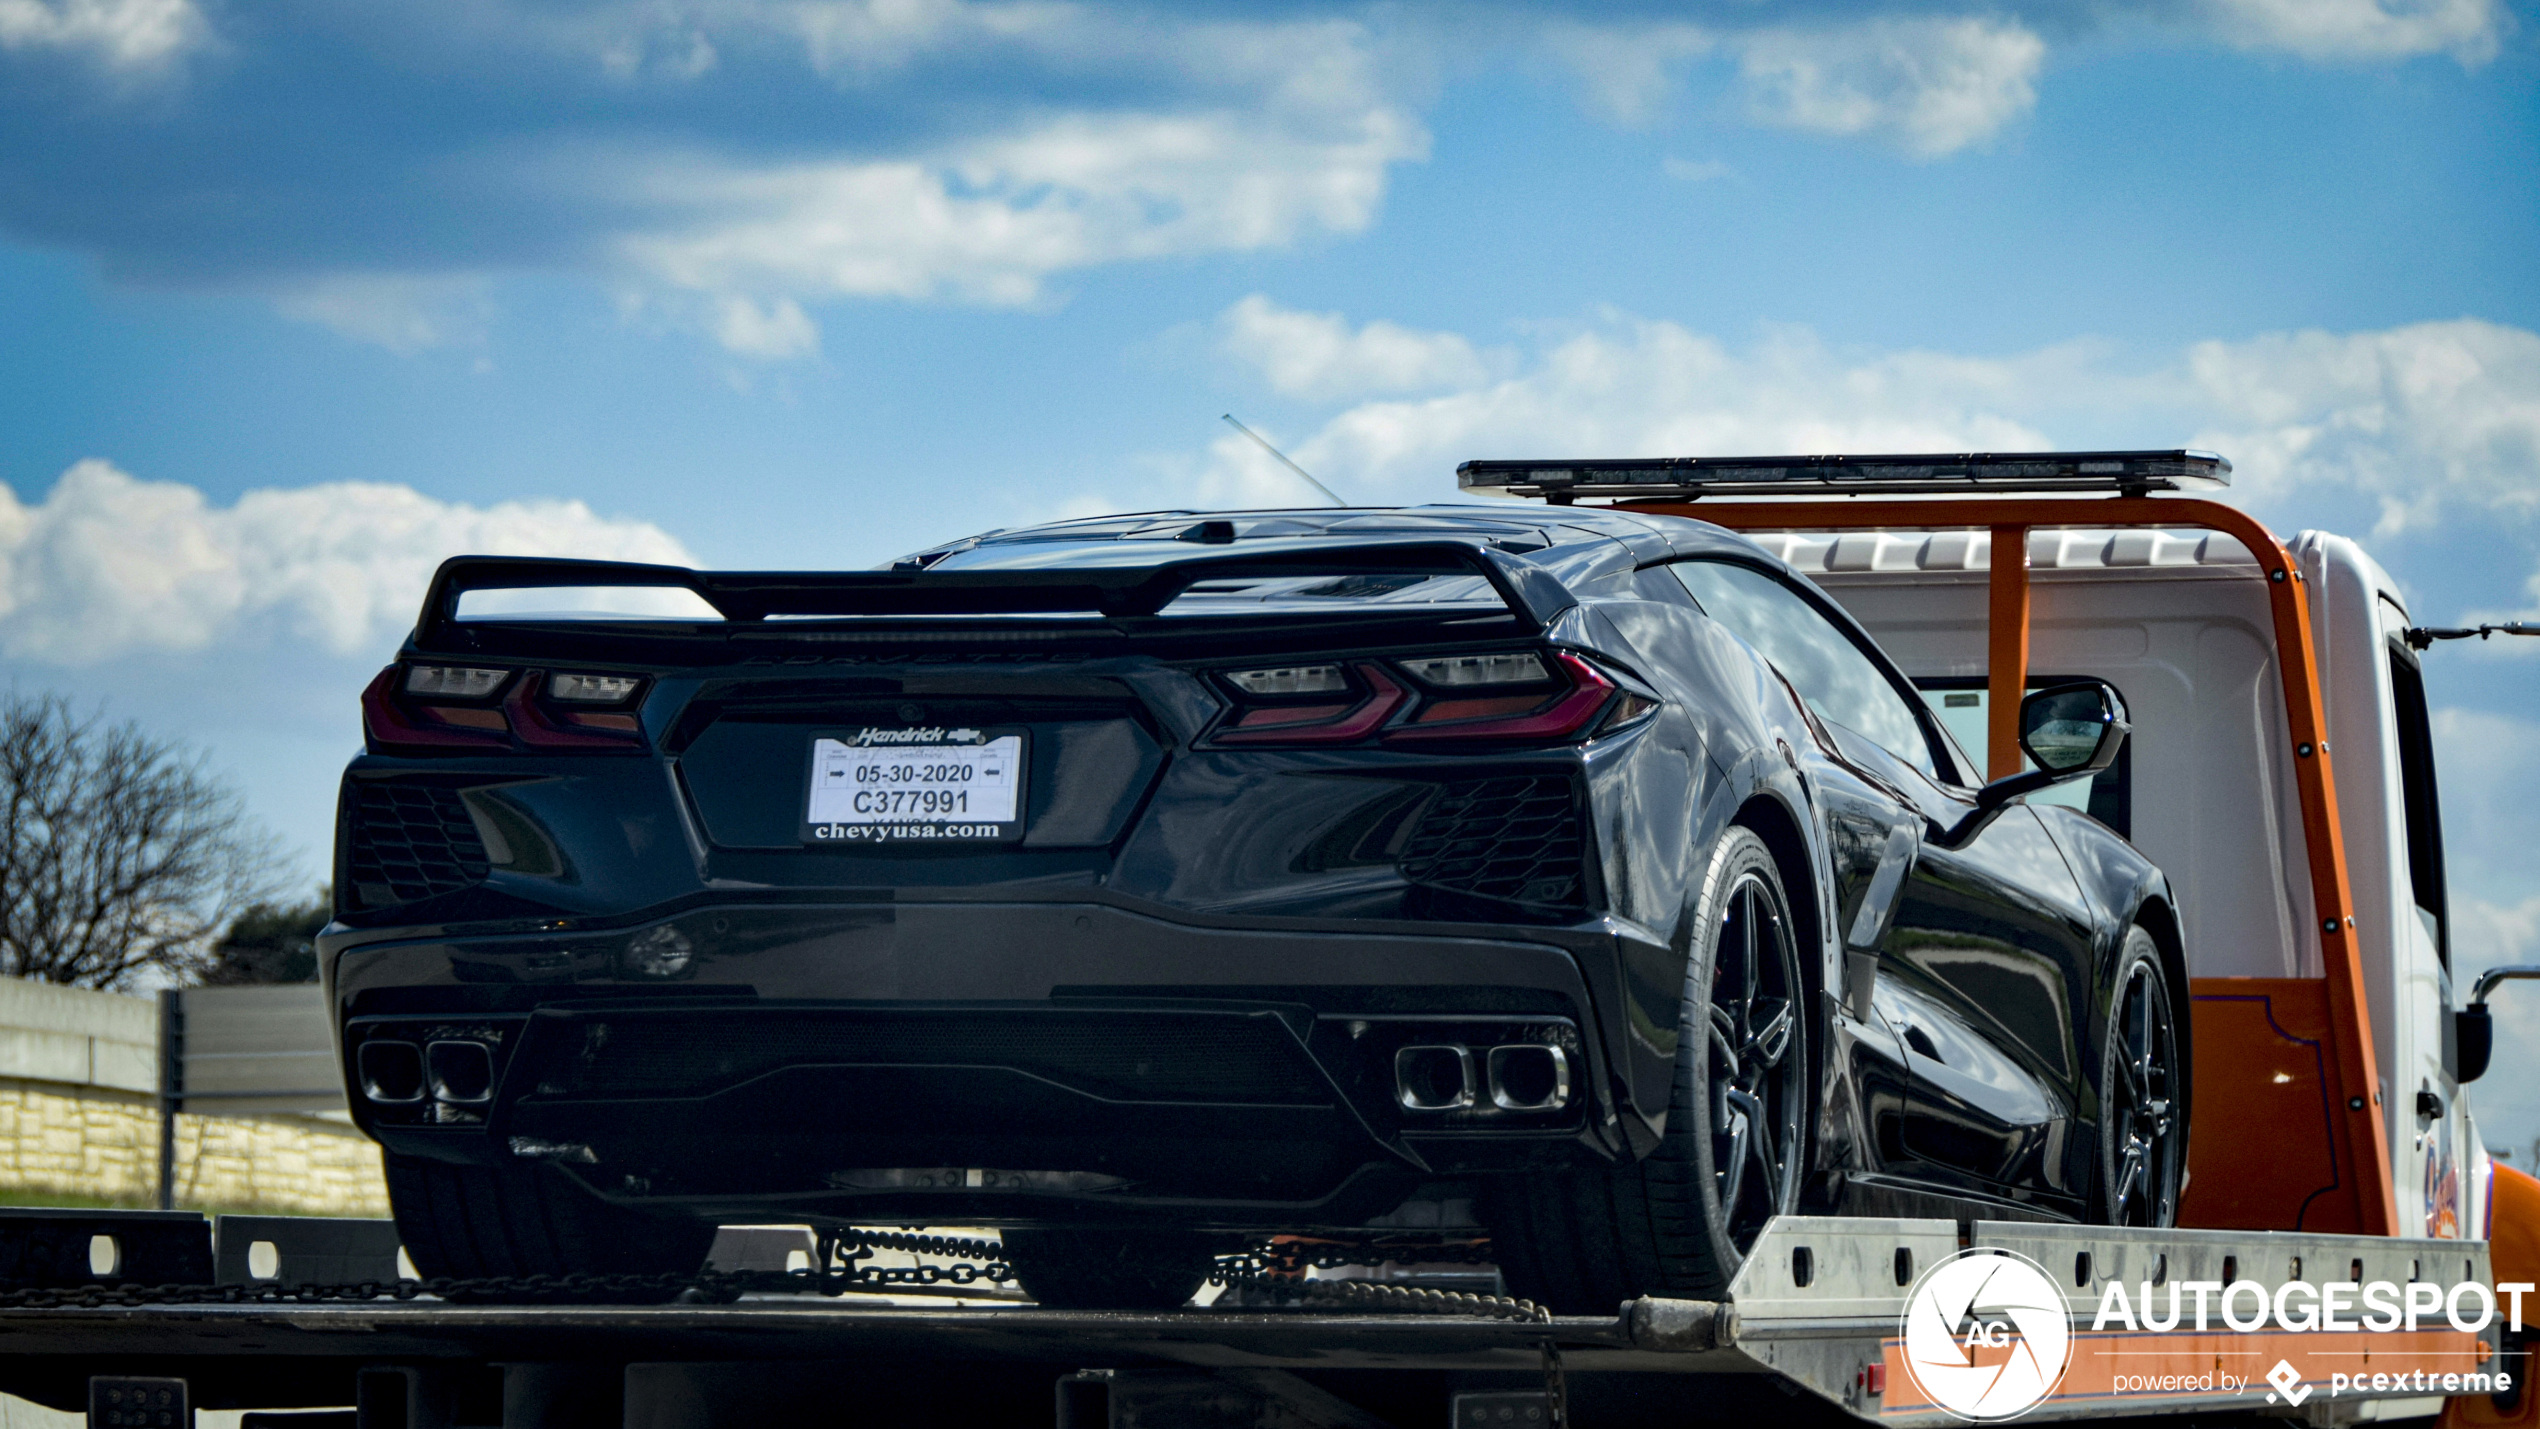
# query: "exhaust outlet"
{"type": "Point", "coordinates": [1434, 1077]}
{"type": "Point", "coordinates": [1529, 1078]}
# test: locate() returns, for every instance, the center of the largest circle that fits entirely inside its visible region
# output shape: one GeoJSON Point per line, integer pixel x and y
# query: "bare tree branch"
{"type": "Point", "coordinates": [119, 853]}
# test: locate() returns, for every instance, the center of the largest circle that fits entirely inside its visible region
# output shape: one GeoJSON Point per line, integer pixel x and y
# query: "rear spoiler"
{"type": "Point", "coordinates": [1108, 593]}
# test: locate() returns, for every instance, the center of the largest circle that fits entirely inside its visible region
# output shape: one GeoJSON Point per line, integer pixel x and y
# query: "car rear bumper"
{"type": "Point", "coordinates": [980, 1062]}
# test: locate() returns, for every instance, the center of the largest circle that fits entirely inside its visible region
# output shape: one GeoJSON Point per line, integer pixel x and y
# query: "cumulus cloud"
{"type": "Point", "coordinates": [404, 314]}
{"type": "Point", "coordinates": [992, 221]}
{"type": "Point", "coordinates": [1318, 355]}
{"type": "Point", "coordinates": [1626, 72]}
{"type": "Point", "coordinates": [772, 333]}
{"type": "Point", "coordinates": [124, 35]}
{"type": "Point", "coordinates": [2468, 30]}
{"type": "Point", "coordinates": [724, 159]}
{"type": "Point", "coordinates": [108, 565]}
{"type": "Point", "coordinates": [2491, 822]}
{"type": "Point", "coordinates": [1932, 86]}
{"type": "Point", "coordinates": [2421, 417]}
{"type": "Point", "coordinates": [1637, 387]}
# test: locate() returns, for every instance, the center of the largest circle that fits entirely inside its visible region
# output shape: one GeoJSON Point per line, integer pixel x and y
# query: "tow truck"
{"type": "Point", "coordinates": [2281, 771]}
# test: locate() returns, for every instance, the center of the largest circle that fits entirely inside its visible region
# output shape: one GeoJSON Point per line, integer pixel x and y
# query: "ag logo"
{"type": "Point", "coordinates": [1986, 1335]}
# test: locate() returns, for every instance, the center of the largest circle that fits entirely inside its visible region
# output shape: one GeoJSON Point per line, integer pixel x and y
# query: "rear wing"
{"type": "Point", "coordinates": [747, 601]}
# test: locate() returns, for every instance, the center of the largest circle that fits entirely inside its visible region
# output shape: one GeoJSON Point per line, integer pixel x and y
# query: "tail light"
{"type": "Point", "coordinates": [1482, 705]}
{"type": "Point", "coordinates": [1540, 696]}
{"type": "Point", "coordinates": [448, 707]}
{"type": "Point", "coordinates": [1313, 704]}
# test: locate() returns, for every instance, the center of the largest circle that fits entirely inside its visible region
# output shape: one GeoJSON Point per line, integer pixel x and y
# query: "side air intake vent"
{"type": "Point", "coordinates": [1514, 839]}
{"type": "Point", "coordinates": [410, 841]}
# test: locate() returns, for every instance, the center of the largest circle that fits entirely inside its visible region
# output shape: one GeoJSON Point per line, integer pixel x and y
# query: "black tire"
{"type": "Point", "coordinates": [1109, 1269]}
{"type": "Point", "coordinates": [2140, 1085]}
{"type": "Point", "coordinates": [474, 1222]}
{"type": "Point", "coordinates": [1679, 1222]}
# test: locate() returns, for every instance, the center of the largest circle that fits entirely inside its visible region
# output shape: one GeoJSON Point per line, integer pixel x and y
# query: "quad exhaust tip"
{"type": "Point", "coordinates": [1440, 1077]}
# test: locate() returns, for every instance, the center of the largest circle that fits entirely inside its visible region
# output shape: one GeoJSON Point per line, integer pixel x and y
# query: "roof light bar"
{"type": "Point", "coordinates": [1931, 474]}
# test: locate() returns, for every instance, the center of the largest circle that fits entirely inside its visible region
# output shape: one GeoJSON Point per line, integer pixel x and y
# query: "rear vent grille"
{"type": "Point", "coordinates": [1172, 1058]}
{"type": "Point", "coordinates": [410, 842]}
{"type": "Point", "coordinates": [1514, 839]}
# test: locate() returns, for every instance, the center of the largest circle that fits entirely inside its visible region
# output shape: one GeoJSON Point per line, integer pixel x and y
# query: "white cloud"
{"type": "Point", "coordinates": [1931, 86]}
{"type": "Point", "coordinates": [126, 35]}
{"type": "Point", "coordinates": [2491, 799]}
{"type": "Point", "coordinates": [1316, 355]}
{"type": "Point", "coordinates": [1252, 136]}
{"type": "Point", "coordinates": [1695, 171]}
{"type": "Point", "coordinates": [1627, 72]}
{"type": "Point", "coordinates": [2332, 30]}
{"type": "Point", "coordinates": [2421, 418]}
{"type": "Point", "coordinates": [855, 39]}
{"type": "Point", "coordinates": [1638, 387]}
{"type": "Point", "coordinates": [772, 333]}
{"type": "Point", "coordinates": [991, 221]}
{"type": "Point", "coordinates": [2486, 935]}
{"type": "Point", "coordinates": [107, 565]}
{"type": "Point", "coordinates": [404, 314]}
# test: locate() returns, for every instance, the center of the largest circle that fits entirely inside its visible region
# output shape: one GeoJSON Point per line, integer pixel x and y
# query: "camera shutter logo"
{"type": "Point", "coordinates": [1986, 1335]}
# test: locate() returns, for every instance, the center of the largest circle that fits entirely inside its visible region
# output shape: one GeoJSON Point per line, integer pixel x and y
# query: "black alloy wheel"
{"type": "Point", "coordinates": [2142, 1113]}
{"type": "Point", "coordinates": [1758, 1088]}
{"type": "Point", "coordinates": [1735, 1149]}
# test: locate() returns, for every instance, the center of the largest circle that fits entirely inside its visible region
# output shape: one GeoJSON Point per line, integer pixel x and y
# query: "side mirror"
{"type": "Point", "coordinates": [2067, 731]}
{"type": "Point", "coordinates": [2075, 729]}
{"type": "Point", "coordinates": [2473, 1040]}
{"type": "Point", "coordinates": [2473, 1031]}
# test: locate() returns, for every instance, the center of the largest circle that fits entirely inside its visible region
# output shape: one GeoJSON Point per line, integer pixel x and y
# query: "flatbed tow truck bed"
{"type": "Point", "coordinates": [1809, 1333]}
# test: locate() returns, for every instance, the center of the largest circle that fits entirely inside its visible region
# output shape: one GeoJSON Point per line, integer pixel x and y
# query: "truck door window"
{"type": "Point", "coordinates": [2423, 810]}
{"type": "Point", "coordinates": [1840, 681]}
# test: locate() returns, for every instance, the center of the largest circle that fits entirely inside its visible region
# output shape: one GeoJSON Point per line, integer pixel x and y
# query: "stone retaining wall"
{"type": "Point", "coordinates": [58, 1140]}
{"type": "Point", "coordinates": [79, 1117]}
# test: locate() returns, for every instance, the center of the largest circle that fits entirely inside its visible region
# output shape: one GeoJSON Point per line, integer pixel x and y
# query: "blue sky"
{"type": "Point", "coordinates": [296, 298]}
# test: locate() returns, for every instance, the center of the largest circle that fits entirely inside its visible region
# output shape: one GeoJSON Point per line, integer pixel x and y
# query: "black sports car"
{"type": "Point", "coordinates": [1151, 884]}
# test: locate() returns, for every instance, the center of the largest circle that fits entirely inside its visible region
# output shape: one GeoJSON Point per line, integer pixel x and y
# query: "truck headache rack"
{"type": "Point", "coordinates": [1688, 478]}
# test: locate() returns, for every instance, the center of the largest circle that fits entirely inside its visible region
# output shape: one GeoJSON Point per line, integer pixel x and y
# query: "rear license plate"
{"type": "Point", "coordinates": [891, 785]}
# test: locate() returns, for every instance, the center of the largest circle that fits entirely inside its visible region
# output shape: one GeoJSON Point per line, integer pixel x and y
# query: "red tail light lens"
{"type": "Point", "coordinates": [416, 707]}
{"type": "Point", "coordinates": [1338, 720]}
{"type": "Point", "coordinates": [1539, 714]}
{"type": "Point", "coordinates": [1543, 696]}
{"type": "Point", "coordinates": [540, 729]}
{"type": "Point", "coordinates": [391, 724]}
